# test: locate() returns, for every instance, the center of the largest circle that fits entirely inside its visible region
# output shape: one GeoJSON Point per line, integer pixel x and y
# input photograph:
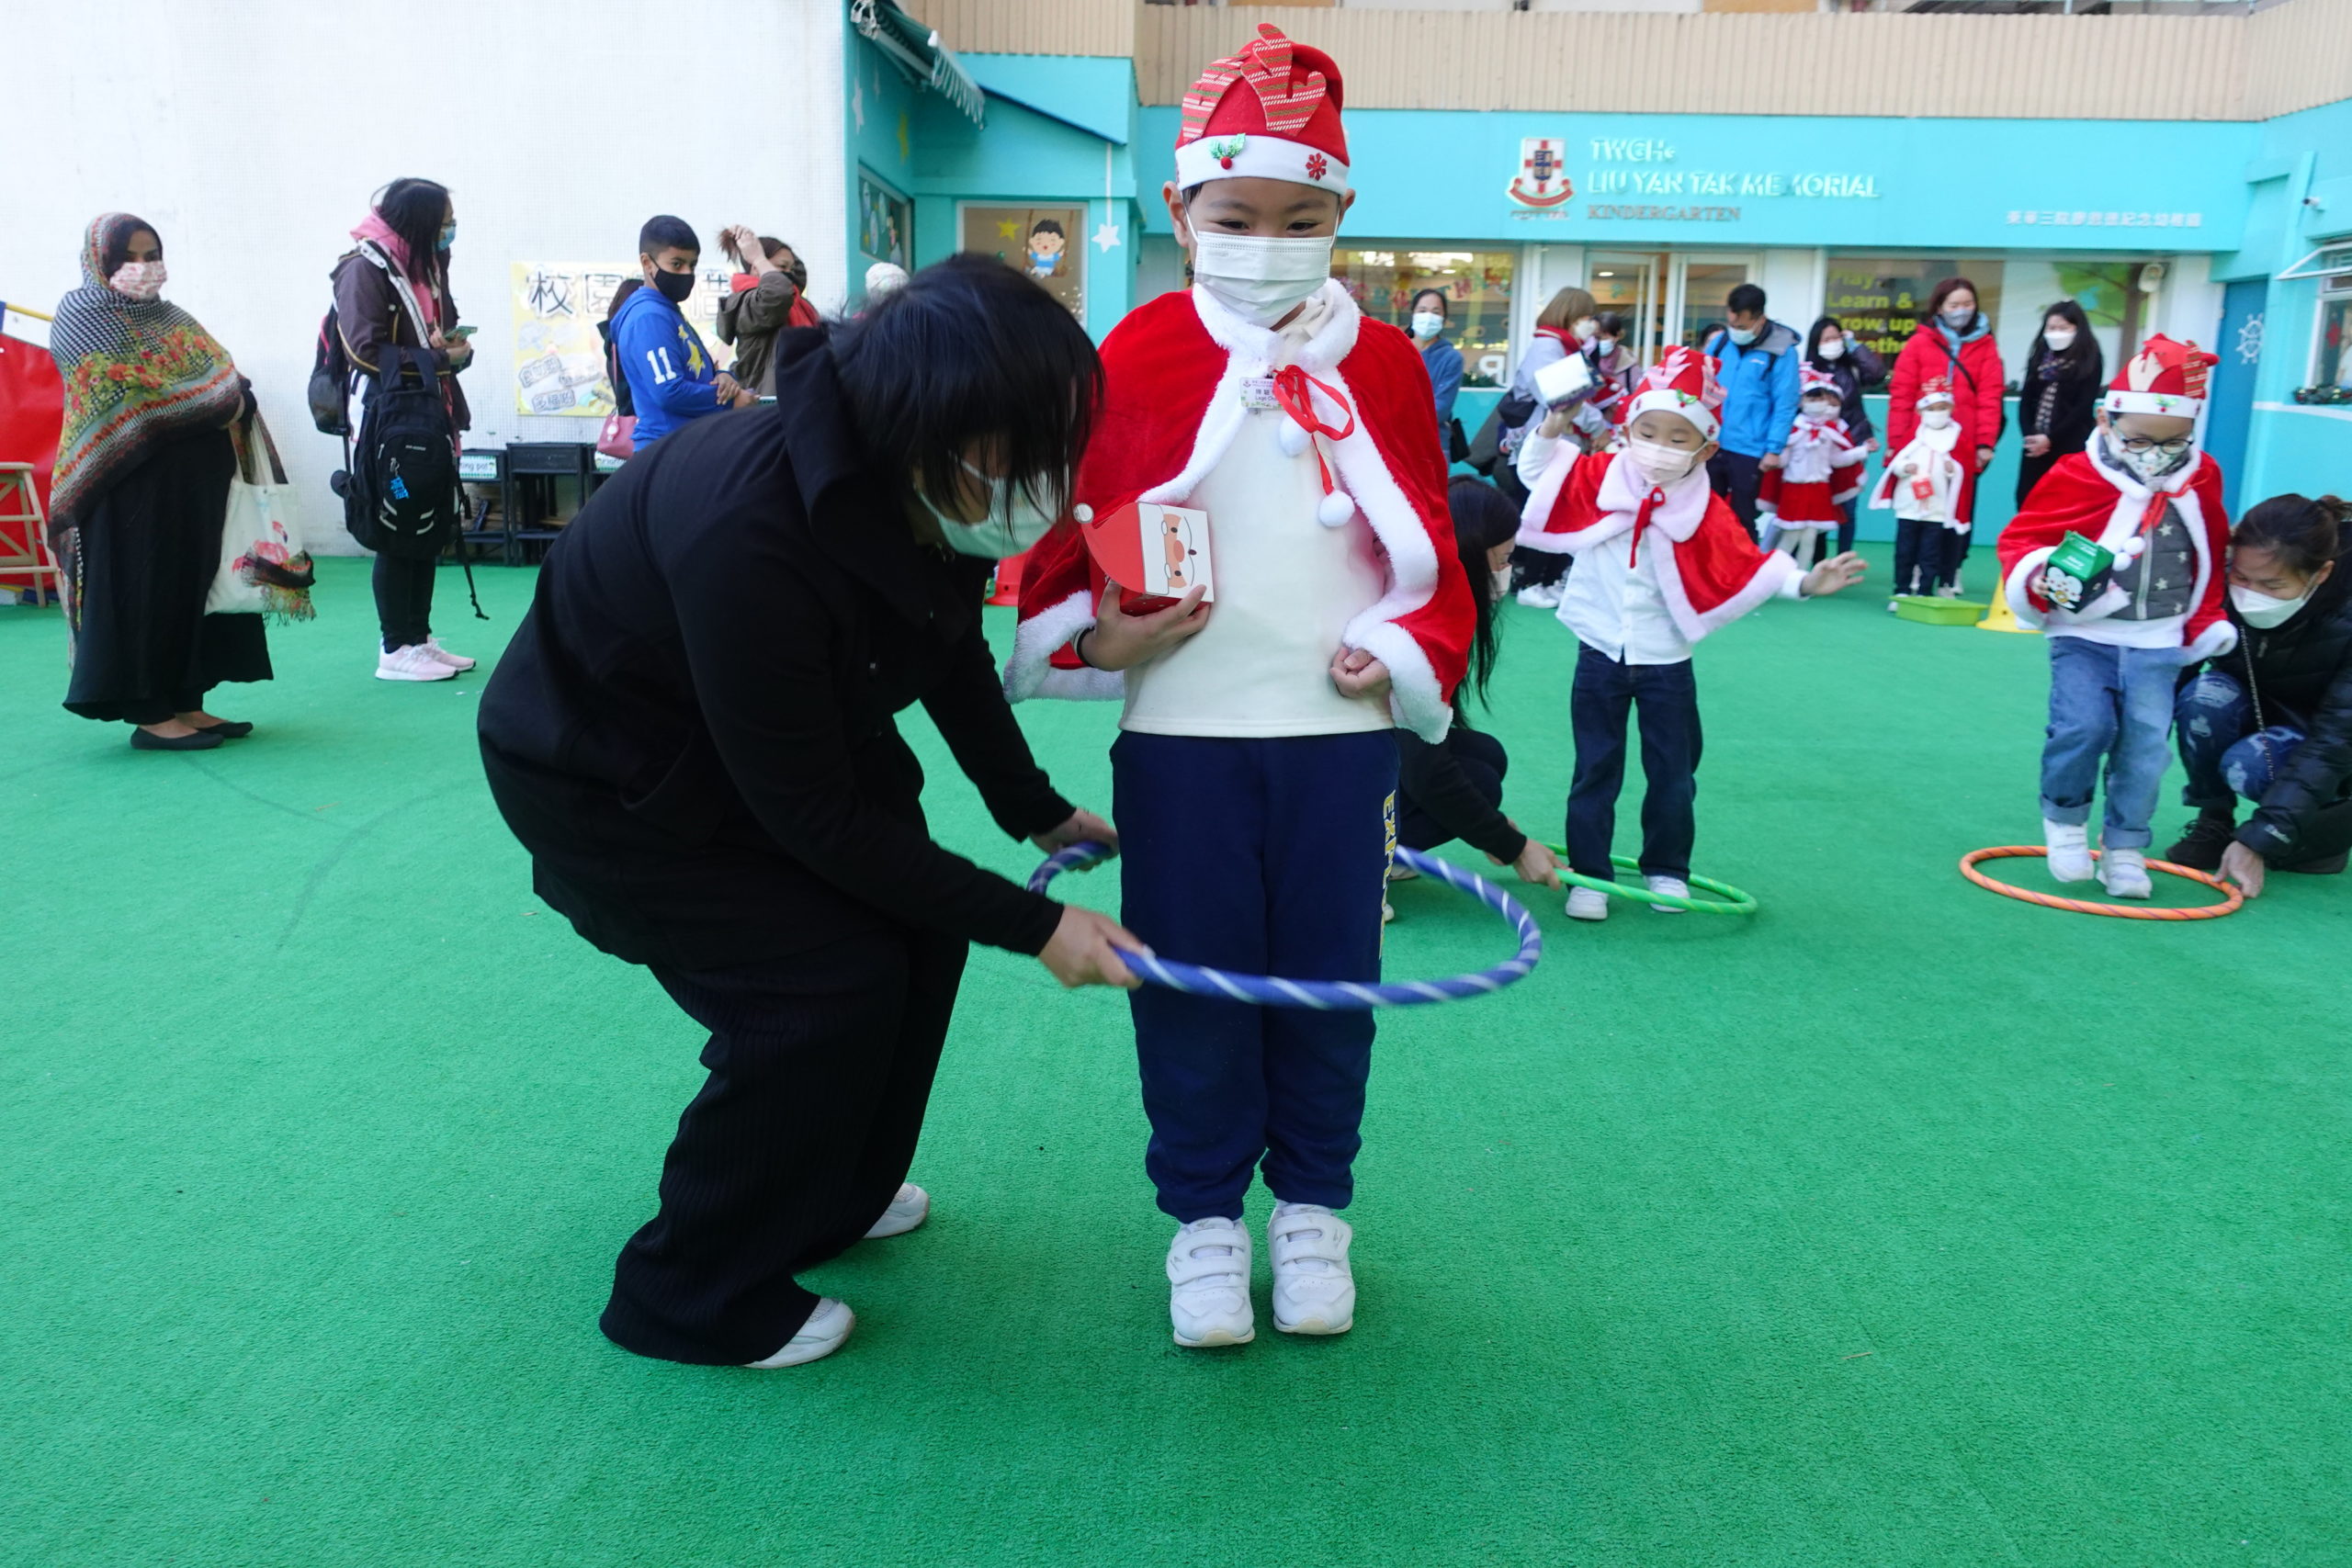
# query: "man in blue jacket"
{"type": "Point", "coordinates": [672, 377]}
{"type": "Point", "coordinates": [1758, 376]}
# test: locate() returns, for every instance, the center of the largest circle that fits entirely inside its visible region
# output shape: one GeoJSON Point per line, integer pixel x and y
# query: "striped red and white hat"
{"type": "Point", "coordinates": [2165, 377]}
{"type": "Point", "coordinates": [1683, 382]}
{"type": "Point", "coordinates": [1270, 112]}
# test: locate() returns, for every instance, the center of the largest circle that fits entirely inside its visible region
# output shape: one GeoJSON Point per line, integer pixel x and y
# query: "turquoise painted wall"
{"type": "Point", "coordinates": [1441, 174]}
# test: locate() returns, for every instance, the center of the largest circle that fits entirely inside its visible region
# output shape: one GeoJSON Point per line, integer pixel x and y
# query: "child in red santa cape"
{"type": "Point", "coordinates": [1256, 772]}
{"type": "Point", "coordinates": [1926, 486]}
{"type": "Point", "coordinates": [1660, 561]}
{"type": "Point", "coordinates": [1820, 471]}
{"type": "Point", "coordinates": [2140, 488]}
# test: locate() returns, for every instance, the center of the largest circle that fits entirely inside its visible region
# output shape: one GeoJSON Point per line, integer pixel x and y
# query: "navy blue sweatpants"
{"type": "Point", "coordinates": [1266, 857]}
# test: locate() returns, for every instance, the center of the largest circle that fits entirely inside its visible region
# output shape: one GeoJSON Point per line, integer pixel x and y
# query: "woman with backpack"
{"type": "Point", "coordinates": [1953, 342]}
{"type": "Point", "coordinates": [141, 499]}
{"type": "Point", "coordinates": [391, 293]}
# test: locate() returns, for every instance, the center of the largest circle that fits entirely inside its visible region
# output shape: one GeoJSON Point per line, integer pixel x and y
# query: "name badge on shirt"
{"type": "Point", "coordinates": [1257, 392]}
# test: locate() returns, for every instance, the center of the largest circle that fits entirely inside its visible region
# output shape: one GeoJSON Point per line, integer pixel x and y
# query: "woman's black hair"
{"type": "Point", "coordinates": [2080, 358]}
{"type": "Point", "coordinates": [1444, 306]}
{"type": "Point", "coordinates": [415, 209]}
{"type": "Point", "coordinates": [1943, 291]}
{"type": "Point", "coordinates": [620, 295]}
{"type": "Point", "coordinates": [1609, 323]}
{"type": "Point", "coordinates": [1813, 340]}
{"type": "Point", "coordinates": [2303, 534]}
{"type": "Point", "coordinates": [663, 233]}
{"type": "Point", "coordinates": [970, 350]}
{"type": "Point", "coordinates": [1483, 518]}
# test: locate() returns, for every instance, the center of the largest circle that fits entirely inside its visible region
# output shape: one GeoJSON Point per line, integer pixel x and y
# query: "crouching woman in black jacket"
{"type": "Point", "coordinates": [693, 735]}
{"type": "Point", "coordinates": [2272, 720]}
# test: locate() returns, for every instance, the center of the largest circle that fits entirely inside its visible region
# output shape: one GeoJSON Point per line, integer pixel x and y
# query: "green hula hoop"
{"type": "Point", "coordinates": [1733, 902]}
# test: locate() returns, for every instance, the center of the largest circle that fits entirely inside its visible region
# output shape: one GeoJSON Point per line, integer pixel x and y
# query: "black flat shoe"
{"type": "Point", "coordinates": [227, 729]}
{"type": "Point", "coordinates": [202, 740]}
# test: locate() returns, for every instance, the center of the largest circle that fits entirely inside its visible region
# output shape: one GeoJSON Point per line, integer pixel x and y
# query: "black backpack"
{"type": "Point", "coordinates": [331, 380]}
{"type": "Point", "coordinates": [403, 497]}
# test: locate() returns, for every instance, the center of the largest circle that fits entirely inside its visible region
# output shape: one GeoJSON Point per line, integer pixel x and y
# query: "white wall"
{"type": "Point", "coordinates": [252, 135]}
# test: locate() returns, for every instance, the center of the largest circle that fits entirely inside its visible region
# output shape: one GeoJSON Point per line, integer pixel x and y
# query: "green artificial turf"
{"type": "Point", "coordinates": [1899, 1224]}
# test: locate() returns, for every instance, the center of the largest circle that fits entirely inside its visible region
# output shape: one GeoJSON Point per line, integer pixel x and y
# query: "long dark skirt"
{"type": "Point", "coordinates": [141, 558]}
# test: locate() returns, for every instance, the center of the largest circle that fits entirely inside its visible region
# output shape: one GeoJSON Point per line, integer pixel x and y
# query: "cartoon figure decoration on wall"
{"type": "Point", "coordinates": [886, 223]}
{"type": "Point", "coordinates": [1036, 240]}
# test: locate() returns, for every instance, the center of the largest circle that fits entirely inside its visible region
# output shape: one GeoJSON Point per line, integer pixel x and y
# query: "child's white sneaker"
{"type": "Point", "coordinates": [1672, 888]}
{"type": "Point", "coordinates": [1588, 904]}
{"type": "Point", "coordinates": [1314, 1292]}
{"type": "Point", "coordinates": [2124, 873]}
{"type": "Point", "coordinates": [1208, 1284]}
{"type": "Point", "coordinates": [2069, 845]}
{"type": "Point", "coordinates": [826, 1331]}
{"type": "Point", "coordinates": [1542, 595]}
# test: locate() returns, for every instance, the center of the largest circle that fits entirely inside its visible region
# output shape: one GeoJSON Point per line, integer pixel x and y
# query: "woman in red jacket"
{"type": "Point", "coordinates": [1954, 339]}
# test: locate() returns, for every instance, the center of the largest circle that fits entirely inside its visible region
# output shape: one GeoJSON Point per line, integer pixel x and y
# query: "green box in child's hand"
{"type": "Point", "coordinates": [2076, 572]}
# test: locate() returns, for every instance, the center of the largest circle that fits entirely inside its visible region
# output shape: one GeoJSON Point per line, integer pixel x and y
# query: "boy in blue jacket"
{"type": "Point", "coordinates": [672, 377]}
{"type": "Point", "coordinates": [1759, 357]}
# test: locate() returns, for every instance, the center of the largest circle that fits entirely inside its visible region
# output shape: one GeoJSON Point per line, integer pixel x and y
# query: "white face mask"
{"type": "Point", "coordinates": [1258, 279]}
{"type": "Point", "coordinates": [1819, 412]}
{"type": "Point", "coordinates": [1585, 328]}
{"type": "Point", "coordinates": [1604, 347]}
{"type": "Point", "coordinates": [2261, 610]}
{"type": "Point", "coordinates": [2059, 339]}
{"type": "Point", "coordinates": [1427, 324]}
{"type": "Point", "coordinates": [2152, 463]}
{"type": "Point", "coordinates": [1958, 320]}
{"type": "Point", "coordinates": [1014, 524]}
{"type": "Point", "coordinates": [1832, 348]}
{"type": "Point", "coordinates": [1741, 335]}
{"type": "Point", "coordinates": [1936, 419]}
{"type": "Point", "coordinates": [1663, 464]}
{"type": "Point", "coordinates": [140, 280]}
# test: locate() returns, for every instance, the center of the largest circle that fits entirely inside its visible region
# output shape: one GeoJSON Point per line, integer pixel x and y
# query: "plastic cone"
{"type": "Point", "coordinates": [2000, 617]}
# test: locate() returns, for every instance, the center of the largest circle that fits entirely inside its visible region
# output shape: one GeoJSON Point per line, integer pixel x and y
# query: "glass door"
{"type": "Point", "coordinates": [1628, 284]}
{"type": "Point", "coordinates": [1700, 283]}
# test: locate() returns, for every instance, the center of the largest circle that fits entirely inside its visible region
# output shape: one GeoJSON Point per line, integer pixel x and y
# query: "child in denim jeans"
{"type": "Point", "coordinates": [2142, 490]}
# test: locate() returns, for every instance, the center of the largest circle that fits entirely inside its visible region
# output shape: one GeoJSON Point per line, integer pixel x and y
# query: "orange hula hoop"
{"type": "Point", "coordinates": [2233, 899]}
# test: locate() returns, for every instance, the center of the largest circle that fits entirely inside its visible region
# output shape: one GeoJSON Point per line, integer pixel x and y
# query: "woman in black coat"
{"type": "Point", "coordinates": [693, 735]}
{"type": "Point", "coordinates": [2058, 404]}
{"type": "Point", "coordinates": [2272, 720]}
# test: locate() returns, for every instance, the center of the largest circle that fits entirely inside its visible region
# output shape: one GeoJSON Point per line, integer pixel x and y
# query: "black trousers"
{"type": "Point", "coordinates": [1667, 699]}
{"type": "Point", "coordinates": [1737, 478]}
{"type": "Point", "coordinates": [820, 1066]}
{"type": "Point", "coordinates": [1922, 549]}
{"type": "Point", "coordinates": [404, 600]}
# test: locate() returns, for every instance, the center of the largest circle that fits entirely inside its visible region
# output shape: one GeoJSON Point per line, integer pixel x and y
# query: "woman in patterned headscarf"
{"type": "Point", "coordinates": [141, 497]}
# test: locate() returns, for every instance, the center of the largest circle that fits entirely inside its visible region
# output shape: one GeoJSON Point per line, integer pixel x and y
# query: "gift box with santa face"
{"type": "Point", "coordinates": [1155, 553]}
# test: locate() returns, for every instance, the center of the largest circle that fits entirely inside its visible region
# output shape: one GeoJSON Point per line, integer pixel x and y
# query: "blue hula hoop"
{"type": "Point", "coordinates": [1334, 996]}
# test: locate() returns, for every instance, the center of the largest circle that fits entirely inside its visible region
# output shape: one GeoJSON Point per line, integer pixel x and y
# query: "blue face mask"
{"type": "Point", "coordinates": [449, 236]}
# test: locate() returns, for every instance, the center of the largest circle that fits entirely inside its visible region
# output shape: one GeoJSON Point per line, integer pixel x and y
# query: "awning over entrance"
{"type": "Point", "coordinates": [914, 47]}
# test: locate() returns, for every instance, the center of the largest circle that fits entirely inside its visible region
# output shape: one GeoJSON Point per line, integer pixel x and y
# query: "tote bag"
{"type": "Point", "coordinates": [263, 570]}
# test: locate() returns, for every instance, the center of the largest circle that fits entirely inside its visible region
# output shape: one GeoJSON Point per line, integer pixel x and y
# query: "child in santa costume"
{"type": "Point", "coordinates": [1820, 470]}
{"type": "Point", "coordinates": [1256, 773]}
{"type": "Point", "coordinates": [2142, 490]}
{"type": "Point", "coordinates": [1927, 485]}
{"type": "Point", "coordinates": [1661, 560]}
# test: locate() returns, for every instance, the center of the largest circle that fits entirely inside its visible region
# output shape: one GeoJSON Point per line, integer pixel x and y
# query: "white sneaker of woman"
{"type": "Point", "coordinates": [825, 1332]}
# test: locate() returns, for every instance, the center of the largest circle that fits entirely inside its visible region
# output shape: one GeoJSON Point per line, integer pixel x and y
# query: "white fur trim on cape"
{"type": "Point", "coordinates": [1542, 496]}
{"type": "Point", "coordinates": [1030, 671]}
{"type": "Point", "coordinates": [1252, 351]}
{"type": "Point", "coordinates": [1772, 579]}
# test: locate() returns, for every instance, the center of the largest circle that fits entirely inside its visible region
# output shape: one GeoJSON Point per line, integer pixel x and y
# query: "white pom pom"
{"type": "Point", "coordinates": [1292, 437]}
{"type": "Point", "coordinates": [2130, 549]}
{"type": "Point", "coordinates": [1334, 510]}
{"type": "Point", "coordinates": [1083, 513]}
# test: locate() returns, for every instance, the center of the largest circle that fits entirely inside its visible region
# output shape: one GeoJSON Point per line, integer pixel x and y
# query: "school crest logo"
{"type": "Point", "coordinates": [1542, 177]}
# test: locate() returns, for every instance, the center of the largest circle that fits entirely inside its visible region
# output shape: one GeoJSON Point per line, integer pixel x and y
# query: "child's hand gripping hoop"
{"type": "Point", "coordinates": [1334, 996]}
{"type": "Point", "coordinates": [2233, 899]}
{"type": "Point", "coordinates": [1730, 900]}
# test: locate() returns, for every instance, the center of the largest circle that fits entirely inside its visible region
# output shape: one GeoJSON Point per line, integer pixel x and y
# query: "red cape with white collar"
{"type": "Point", "coordinates": [1709, 570]}
{"type": "Point", "coordinates": [1172, 404]}
{"type": "Point", "coordinates": [2083, 495]}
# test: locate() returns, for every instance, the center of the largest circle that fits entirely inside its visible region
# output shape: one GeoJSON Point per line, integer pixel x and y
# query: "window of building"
{"type": "Point", "coordinates": [2332, 344]}
{"type": "Point", "coordinates": [1384, 279]}
{"type": "Point", "coordinates": [1879, 297]}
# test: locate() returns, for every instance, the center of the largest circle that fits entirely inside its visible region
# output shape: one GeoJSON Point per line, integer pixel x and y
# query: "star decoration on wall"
{"type": "Point", "coordinates": [1107, 236]}
{"type": "Point", "coordinates": [857, 103]}
{"type": "Point", "coordinates": [2250, 340]}
{"type": "Point", "coordinates": [1009, 230]}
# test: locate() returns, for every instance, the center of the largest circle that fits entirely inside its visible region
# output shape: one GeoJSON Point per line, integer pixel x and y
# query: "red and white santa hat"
{"type": "Point", "coordinates": [1270, 112]}
{"type": "Point", "coordinates": [1684, 383]}
{"type": "Point", "coordinates": [1934, 390]}
{"type": "Point", "coordinates": [2164, 377]}
{"type": "Point", "coordinates": [1811, 381]}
